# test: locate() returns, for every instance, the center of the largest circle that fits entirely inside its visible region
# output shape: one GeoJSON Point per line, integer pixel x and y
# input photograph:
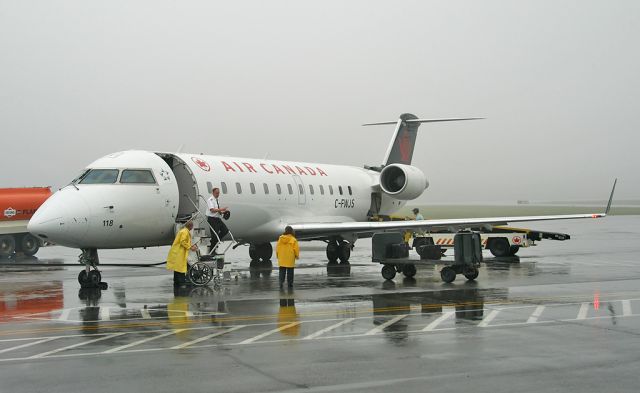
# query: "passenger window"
{"type": "Point", "coordinates": [100, 176]}
{"type": "Point", "coordinates": [340, 189]}
{"type": "Point", "coordinates": [331, 189]}
{"type": "Point", "coordinates": [321, 189]}
{"type": "Point", "coordinates": [209, 187]}
{"type": "Point", "coordinates": [311, 189]}
{"type": "Point", "coordinates": [238, 188]}
{"type": "Point", "coordinates": [278, 189]}
{"type": "Point", "coordinates": [290, 189]}
{"type": "Point", "coordinates": [350, 193]}
{"type": "Point", "coordinates": [266, 188]}
{"type": "Point", "coordinates": [252, 187]}
{"type": "Point", "coordinates": [300, 189]}
{"type": "Point", "coordinates": [137, 176]}
{"type": "Point", "coordinates": [223, 186]}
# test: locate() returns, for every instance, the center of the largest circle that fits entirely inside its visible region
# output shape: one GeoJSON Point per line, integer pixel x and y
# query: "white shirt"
{"type": "Point", "coordinates": [212, 203]}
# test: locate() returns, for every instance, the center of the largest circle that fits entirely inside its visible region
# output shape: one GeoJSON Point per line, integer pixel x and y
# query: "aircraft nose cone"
{"type": "Point", "coordinates": [62, 219]}
{"type": "Point", "coordinates": [46, 223]}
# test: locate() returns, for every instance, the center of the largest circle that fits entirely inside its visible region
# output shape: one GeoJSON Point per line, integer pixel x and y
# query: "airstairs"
{"type": "Point", "coordinates": [205, 265]}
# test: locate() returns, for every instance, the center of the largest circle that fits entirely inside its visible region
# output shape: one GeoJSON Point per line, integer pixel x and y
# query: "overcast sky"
{"type": "Point", "coordinates": [558, 82]}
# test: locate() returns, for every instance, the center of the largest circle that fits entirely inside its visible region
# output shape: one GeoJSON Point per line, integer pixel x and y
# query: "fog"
{"type": "Point", "coordinates": [556, 81]}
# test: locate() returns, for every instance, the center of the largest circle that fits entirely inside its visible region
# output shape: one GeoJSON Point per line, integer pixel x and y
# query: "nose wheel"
{"type": "Point", "coordinates": [89, 280]}
{"type": "Point", "coordinates": [90, 277]}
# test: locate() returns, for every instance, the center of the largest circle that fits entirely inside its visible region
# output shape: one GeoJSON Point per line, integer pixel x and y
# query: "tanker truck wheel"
{"type": "Point", "coordinates": [29, 245]}
{"type": "Point", "coordinates": [7, 245]}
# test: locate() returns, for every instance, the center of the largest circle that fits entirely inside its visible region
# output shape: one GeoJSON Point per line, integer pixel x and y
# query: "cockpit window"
{"type": "Point", "coordinates": [137, 176]}
{"type": "Point", "coordinates": [80, 176]}
{"type": "Point", "coordinates": [99, 176]}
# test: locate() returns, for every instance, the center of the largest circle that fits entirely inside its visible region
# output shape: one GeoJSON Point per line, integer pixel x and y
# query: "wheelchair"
{"type": "Point", "coordinates": [202, 269]}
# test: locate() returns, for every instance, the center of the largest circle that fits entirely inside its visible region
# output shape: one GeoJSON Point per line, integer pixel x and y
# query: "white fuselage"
{"type": "Point", "coordinates": [262, 195]}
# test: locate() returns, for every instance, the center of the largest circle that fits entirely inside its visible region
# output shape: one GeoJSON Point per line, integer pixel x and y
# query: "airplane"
{"type": "Point", "coordinates": [136, 198]}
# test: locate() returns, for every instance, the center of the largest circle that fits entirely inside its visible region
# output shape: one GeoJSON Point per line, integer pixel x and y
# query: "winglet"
{"type": "Point", "coordinates": [611, 196]}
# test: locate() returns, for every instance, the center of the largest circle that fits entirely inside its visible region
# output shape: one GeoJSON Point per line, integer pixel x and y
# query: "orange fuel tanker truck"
{"type": "Point", "coordinates": [17, 205]}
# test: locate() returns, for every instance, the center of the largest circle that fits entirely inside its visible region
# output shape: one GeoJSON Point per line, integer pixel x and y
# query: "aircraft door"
{"type": "Point", "coordinates": [302, 196]}
{"type": "Point", "coordinates": [187, 186]}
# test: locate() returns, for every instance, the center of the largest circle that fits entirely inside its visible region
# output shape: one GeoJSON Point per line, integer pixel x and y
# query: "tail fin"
{"type": "Point", "coordinates": [400, 149]}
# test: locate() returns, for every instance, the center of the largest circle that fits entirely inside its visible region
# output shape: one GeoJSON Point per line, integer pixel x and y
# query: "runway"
{"type": "Point", "coordinates": [562, 317]}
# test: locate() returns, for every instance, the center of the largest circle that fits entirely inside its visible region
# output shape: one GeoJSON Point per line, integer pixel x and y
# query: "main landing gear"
{"type": "Point", "coordinates": [261, 252]}
{"type": "Point", "coordinates": [90, 277]}
{"type": "Point", "coordinates": [338, 249]}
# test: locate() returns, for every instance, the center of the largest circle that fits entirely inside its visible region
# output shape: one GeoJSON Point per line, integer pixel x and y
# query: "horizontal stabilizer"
{"type": "Point", "coordinates": [424, 121]}
{"type": "Point", "coordinates": [400, 150]}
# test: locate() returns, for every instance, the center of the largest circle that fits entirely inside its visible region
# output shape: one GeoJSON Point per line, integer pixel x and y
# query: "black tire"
{"type": "Point", "coordinates": [470, 273]}
{"type": "Point", "coordinates": [409, 270]}
{"type": "Point", "coordinates": [95, 277]}
{"type": "Point", "coordinates": [200, 273]}
{"type": "Point", "coordinates": [344, 252]}
{"type": "Point", "coordinates": [265, 251]}
{"type": "Point", "coordinates": [83, 278]}
{"type": "Point", "coordinates": [388, 272]}
{"type": "Point", "coordinates": [448, 274]}
{"type": "Point", "coordinates": [253, 253]}
{"type": "Point", "coordinates": [332, 252]}
{"type": "Point", "coordinates": [513, 250]}
{"type": "Point", "coordinates": [7, 245]}
{"type": "Point", "coordinates": [499, 247]}
{"type": "Point", "coordinates": [29, 245]}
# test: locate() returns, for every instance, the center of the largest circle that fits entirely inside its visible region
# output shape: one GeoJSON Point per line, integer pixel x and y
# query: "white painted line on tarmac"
{"type": "Point", "coordinates": [343, 337]}
{"type": "Point", "coordinates": [536, 314]}
{"type": "Point", "coordinates": [207, 337]}
{"type": "Point", "coordinates": [43, 354]}
{"type": "Point", "coordinates": [64, 315]}
{"type": "Point", "coordinates": [490, 317]}
{"type": "Point", "coordinates": [433, 325]}
{"type": "Point", "coordinates": [8, 340]}
{"type": "Point", "coordinates": [626, 308]}
{"type": "Point", "coordinates": [26, 345]}
{"type": "Point", "coordinates": [380, 328]}
{"type": "Point", "coordinates": [270, 332]}
{"type": "Point", "coordinates": [145, 313]}
{"type": "Point", "coordinates": [328, 329]}
{"type": "Point", "coordinates": [105, 313]}
{"type": "Point", "coordinates": [582, 313]}
{"type": "Point", "coordinates": [146, 340]}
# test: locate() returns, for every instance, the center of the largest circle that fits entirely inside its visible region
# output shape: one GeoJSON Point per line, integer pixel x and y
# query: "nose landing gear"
{"type": "Point", "coordinates": [90, 277]}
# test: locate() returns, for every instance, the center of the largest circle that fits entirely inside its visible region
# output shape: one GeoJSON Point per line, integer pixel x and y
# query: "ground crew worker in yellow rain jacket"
{"type": "Point", "coordinates": [287, 251]}
{"type": "Point", "coordinates": [177, 258]}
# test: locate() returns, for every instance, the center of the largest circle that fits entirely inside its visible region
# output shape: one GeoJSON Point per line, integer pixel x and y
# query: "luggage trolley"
{"type": "Point", "coordinates": [390, 250]}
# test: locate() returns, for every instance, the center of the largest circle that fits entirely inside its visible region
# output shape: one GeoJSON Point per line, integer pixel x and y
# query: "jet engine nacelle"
{"type": "Point", "coordinates": [403, 182]}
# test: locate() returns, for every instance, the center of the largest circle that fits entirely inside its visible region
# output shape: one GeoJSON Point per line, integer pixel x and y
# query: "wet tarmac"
{"type": "Point", "coordinates": [561, 317]}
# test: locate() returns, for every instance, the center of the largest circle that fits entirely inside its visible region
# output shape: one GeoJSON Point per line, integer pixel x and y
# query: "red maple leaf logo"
{"type": "Point", "coordinates": [201, 163]}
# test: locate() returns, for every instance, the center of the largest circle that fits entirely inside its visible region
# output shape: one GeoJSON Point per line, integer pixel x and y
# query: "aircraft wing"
{"type": "Point", "coordinates": [322, 230]}
{"type": "Point", "coordinates": [317, 230]}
